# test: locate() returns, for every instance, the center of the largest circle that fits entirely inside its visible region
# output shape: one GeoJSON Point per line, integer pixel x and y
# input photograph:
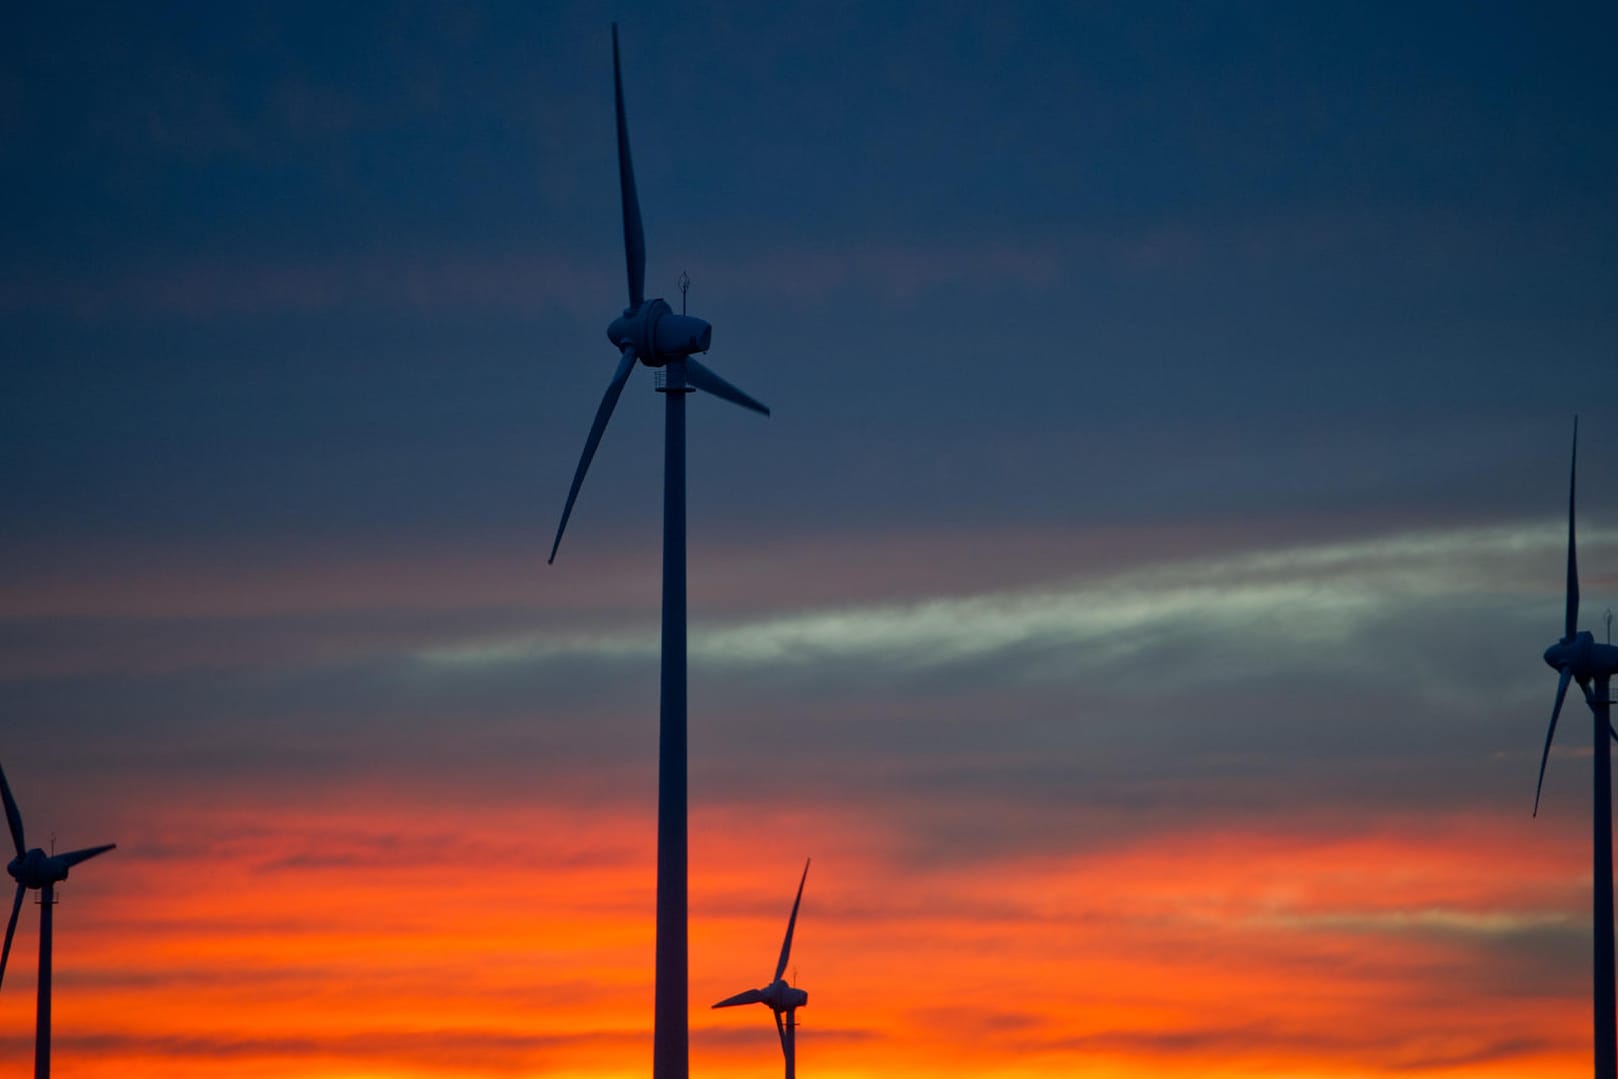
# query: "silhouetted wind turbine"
{"type": "Point", "coordinates": [1578, 658]}
{"type": "Point", "coordinates": [781, 997]}
{"type": "Point", "coordinates": [650, 331]}
{"type": "Point", "coordinates": [42, 872]}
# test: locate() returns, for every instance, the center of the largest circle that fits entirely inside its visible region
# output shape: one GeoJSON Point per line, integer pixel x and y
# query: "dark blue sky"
{"type": "Point", "coordinates": [290, 272]}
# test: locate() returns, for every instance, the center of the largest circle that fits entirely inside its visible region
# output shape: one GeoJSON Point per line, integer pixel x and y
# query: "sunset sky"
{"type": "Point", "coordinates": [1134, 604]}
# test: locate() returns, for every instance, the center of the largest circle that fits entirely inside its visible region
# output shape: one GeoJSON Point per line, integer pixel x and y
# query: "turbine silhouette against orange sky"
{"type": "Point", "coordinates": [332, 944]}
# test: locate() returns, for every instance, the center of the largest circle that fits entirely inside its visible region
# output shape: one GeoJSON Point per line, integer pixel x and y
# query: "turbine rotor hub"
{"type": "Point", "coordinates": [657, 334]}
{"type": "Point", "coordinates": [1582, 656]}
{"type": "Point", "coordinates": [782, 997]}
{"type": "Point", "coordinates": [36, 869]}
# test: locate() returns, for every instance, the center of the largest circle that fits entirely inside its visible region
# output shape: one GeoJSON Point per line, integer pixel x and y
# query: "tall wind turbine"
{"type": "Point", "coordinates": [781, 997]}
{"type": "Point", "coordinates": [42, 872]}
{"type": "Point", "coordinates": [650, 331]}
{"type": "Point", "coordinates": [1578, 658]}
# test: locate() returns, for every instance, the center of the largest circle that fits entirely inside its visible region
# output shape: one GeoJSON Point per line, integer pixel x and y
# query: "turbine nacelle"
{"type": "Point", "coordinates": [657, 334]}
{"type": "Point", "coordinates": [782, 997]}
{"type": "Point", "coordinates": [1572, 654]}
{"type": "Point", "coordinates": [1583, 658]}
{"type": "Point", "coordinates": [37, 869]}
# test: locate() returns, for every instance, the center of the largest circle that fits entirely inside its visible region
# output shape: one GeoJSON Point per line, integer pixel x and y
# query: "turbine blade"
{"type": "Point", "coordinates": [11, 928]}
{"type": "Point", "coordinates": [634, 235]}
{"type": "Point", "coordinates": [751, 996]}
{"type": "Point", "coordinates": [1572, 625]}
{"type": "Point", "coordinates": [609, 401]}
{"type": "Point", "coordinates": [704, 379]}
{"type": "Point", "coordinates": [1561, 693]}
{"type": "Point", "coordinates": [781, 1032]}
{"type": "Point", "coordinates": [74, 857]}
{"type": "Point", "coordinates": [786, 945]}
{"type": "Point", "coordinates": [13, 817]}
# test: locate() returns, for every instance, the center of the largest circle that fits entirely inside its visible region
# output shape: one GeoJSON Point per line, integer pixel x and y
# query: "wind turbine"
{"type": "Point", "coordinates": [42, 872]}
{"type": "Point", "coordinates": [1578, 658]}
{"type": "Point", "coordinates": [650, 331]}
{"type": "Point", "coordinates": [781, 997]}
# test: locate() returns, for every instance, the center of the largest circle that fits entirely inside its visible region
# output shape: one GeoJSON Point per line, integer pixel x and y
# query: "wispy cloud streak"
{"type": "Point", "coordinates": [1272, 603]}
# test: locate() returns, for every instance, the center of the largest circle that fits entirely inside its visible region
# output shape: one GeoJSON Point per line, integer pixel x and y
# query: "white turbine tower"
{"type": "Point", "coordinates": [33, 868]}
{"type": "Point", "coordinates": [781, 998]}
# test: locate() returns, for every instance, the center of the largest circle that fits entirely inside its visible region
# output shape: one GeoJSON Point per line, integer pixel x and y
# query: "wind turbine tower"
{"type": "Point", "coordinates": [1578, 658]}
{"type": "Point", "coordinates": [33, 868]}
{"type": "Point", "coordinates": [650, 331]}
